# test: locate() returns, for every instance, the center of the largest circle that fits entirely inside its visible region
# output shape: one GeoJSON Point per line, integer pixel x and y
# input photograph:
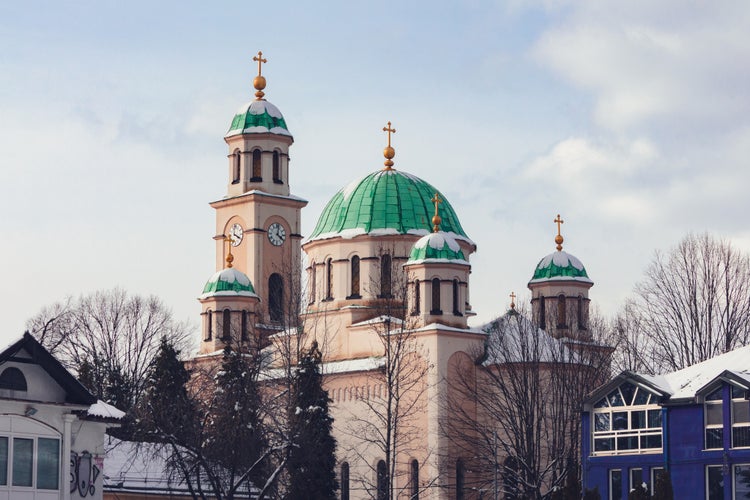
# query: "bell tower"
{"type": "Point", "coordinates": [258, 212]}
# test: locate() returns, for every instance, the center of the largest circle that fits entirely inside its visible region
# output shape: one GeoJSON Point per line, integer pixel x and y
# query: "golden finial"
{"type": "Point", "coordinates": [230, 257]}
{"type": "Point", "coordinates": [259, 82]}
{"type": "Point", "coordinates": [558, 238]}
{"type": "Point", "coordinates": [389, 152]}
{"type": "Point", "coordinates": [436, 220]}
{"type": "Point", "coordinates": [513, 301]}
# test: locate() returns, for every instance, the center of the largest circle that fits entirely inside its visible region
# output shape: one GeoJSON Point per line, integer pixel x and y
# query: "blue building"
{"type": "Point", "coordinates": [694, 422]}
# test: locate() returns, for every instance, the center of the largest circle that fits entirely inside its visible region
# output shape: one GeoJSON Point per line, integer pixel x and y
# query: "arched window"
{"type": "Point", "coordinates": [243, 327]}
{"type": "Point", "coordinates": [385, 276]}
{"type": "Point", "coordinates": [456, 310]}
{"type": "Point", "coordinates": [276, 168]}
{"type": "Point", "coordinates": [345, 481]}
{"type": "Point", "coordinates": [257, 172]}
{"type": "Point", "coordinates": [355, 278]}
{"type": "Point", "coordinates": [436, 297]}
{"type": "Point", "coordinates": [581, 318]}
{"type": "Point", "coordinates": [417, 298]}
{"type": "Point", "coordinates": [275, 297]}
{"type": "Point", "coordinates": [382, 472]}
{"type": "Point", "coordinates": [236, 167]}
{"type": "Point", "coordinates": [12, 379]}
{"type": "Point", "coordinates": [414, 480]}
{"type": "Point", "coordinates": [460, 479]}
{"type": "Point", "coordinates": [542, 313]}
{"type": "Point", "coordinates": [562, 320]}
{"type": "Point", "coordinates": [210, 326]}
{"type": "Point", "coordinates": [313, 283]}
{"type": "Point", "coordinates": [329, 279]}
{"type": "Point", "coordinates": [226, 326]}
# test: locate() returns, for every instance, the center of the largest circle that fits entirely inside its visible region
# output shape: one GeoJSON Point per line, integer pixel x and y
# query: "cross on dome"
{"type": "Point", "coordinates": [230, 257]}
{"type": "Point", "coordinates": [259, 82]}
{"type": "Point", "coordinates": [436, 220]}
{"type": "Point", "coordinates": [513, 300]}
{"type": "Point", "coordinates": [389, 152]}
{"type": "Point", "coordinates": [558, 238]}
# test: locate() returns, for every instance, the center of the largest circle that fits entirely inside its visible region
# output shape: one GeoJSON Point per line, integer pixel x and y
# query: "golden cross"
{"type": "Point", "coordinates": [436, 220]}
{"type": "Point", "coordinates": [512, 300]}
{"type": "Point", "coordinates": [558, 221]}
{"type": "Point", "coordinates": [230, 257]}
{"type": "Point", "coordinates": [389, 130]}
{"type": "Point", "coordinates": [436, 200]}
{"type": "Point", "coordinates": [260, 60]}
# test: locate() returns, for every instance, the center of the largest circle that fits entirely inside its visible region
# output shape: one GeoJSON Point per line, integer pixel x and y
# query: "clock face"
{"type": "Point", "coordinates": [276, 234]}
{"type": "Point", "coordinates": [236, 233]}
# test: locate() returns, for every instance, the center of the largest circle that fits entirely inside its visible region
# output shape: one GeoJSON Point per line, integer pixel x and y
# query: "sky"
{"type": "Point", "coordinates": [630, 119]}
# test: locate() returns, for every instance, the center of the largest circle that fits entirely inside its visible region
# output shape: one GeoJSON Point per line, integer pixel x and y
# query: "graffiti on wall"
{"type": "Point", "coordinates": [84, 471]}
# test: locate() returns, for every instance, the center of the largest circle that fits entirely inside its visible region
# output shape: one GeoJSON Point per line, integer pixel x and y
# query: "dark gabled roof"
{"type": "Point", "coordinates": [75, 392]}
{"type": "Point", "coordinates": [625, 376]}
{"type": "Point", "coordinates": [728, 376]}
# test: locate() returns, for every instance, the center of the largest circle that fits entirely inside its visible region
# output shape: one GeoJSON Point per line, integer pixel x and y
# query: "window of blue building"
{"type": "Point", "coordinates": [714, 483]}
{"type": "Point", "coordinates": [740, 419]}
{"type": "Point", "coordinates": [636, 478]}
{"type": "Point", "coordinates": [714, 419]}
{"type": "Point", "coordinates": [627, 420]}
{"type": "Point", "coordinates": [742, 481]}
{"type": "Point", "coordinates": [615, 484]}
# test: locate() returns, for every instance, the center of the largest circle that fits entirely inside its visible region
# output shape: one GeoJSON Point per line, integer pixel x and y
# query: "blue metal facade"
{"type": "Point", "coordinates": [683, 454]}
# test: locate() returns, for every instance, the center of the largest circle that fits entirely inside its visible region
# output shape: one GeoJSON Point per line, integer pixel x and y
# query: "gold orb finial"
{"type": "Point", "coordinates": [259, 82]}
{"type": "Point", "coordinates": [513, 301]}
{"type": "Point", "coordinates": [436, 220]}
{"type": "Point", "coordinates": [230, 257]}
{"type": "Point", "coordinates": [389, 152]}
{"type": "Point", "coordinates": [558, 239]}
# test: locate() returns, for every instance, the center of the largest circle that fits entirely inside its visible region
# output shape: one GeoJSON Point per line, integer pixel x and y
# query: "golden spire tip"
{"type": "Point", "coordinates": [436, 220]}
{"type": "Point", "coordinates": [558, 239]}
{"type": "Point", "coordinates": [259, 82]}
{"type": "Point", "coordinates": [513, 301]}
{"type": "Point", "coordinates": [230, 257]}
{"type": "Point", "coordinates": [389, 152]}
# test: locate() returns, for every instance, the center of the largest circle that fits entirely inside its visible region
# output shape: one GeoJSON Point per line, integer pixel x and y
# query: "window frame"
{"type": "Point", "coordinates": [707, 483]}
{"type": "Point", "coordinates": [10, 461]}
{"type": "Point", "coordinates": [614, 495]}
{"type": "Point", "coordinates": [712, 402]}
{"type": "Point", "coordinates": [736, 400]}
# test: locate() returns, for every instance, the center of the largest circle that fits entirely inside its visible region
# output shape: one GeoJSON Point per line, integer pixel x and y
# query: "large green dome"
{"type": "Point", "coordinates": [258, 117]}
{"type": "Point", "coordinates": [560, 266]}
{"type": "Point", "coordinates": [385, 202]}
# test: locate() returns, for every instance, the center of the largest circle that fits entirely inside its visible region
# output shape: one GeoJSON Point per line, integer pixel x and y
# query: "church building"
{"type": "Point", "coordinates": [382, 284]}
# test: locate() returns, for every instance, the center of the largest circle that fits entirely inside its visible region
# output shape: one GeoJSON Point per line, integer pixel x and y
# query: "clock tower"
{"type": "Point", "coordinates": [259, 213]}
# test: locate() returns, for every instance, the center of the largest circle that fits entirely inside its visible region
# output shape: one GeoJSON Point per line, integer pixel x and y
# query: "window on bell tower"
{"type": "Point", "coordinates": [329, 279]}
{"type": "Point", "coordinates": [275, 297]}
{"type": "Point", "coordinates": [355, 278]}
{"type": "Point", "coordinates": [562, 321]}
{"type": "Point", "coordinates": [236, 166]}
{"type": "Point", "coordinates": [385, 276]}
{"type": "Point", "coordinates": [436, 297]}
{"type": "Point", "coordinates": [257, 172]}
{"type": "Point", "coordinates": [276, 168]}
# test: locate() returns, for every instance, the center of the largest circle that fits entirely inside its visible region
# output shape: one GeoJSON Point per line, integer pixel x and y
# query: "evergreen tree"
{"type": "Point", "coordinates": [312, 459]}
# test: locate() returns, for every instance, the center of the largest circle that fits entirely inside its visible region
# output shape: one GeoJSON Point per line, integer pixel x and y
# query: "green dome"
{"type": "Point", "coordinates": [560, 266]}
{"type": "Point", "coordinates": [385, 202]}
{"type": "Point", "coordinates": [258, 117]}
{"type": "Point", "coordinates": [436, 247]}
{"type": "Point", "coordinates": [228, 282]}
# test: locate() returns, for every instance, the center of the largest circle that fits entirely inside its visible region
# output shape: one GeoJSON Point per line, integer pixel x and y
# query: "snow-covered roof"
{"type": "Point", "coordinates": [141, 468]}
{"type": "Point", "coordinates": [438, 247]}
{"type": "Point", "coordinates": [258, 117]}
{"type": "Point", "coordinates": [514, 338]}
{"type": "Point", "coordinates": [379, 320]}
{"type": "Point", "coordinates": [560, 266]}
{"type": "Point", "coordinates": [228, 282]}
{"type": "Point", "coordinates": [100, 409]}
{"type": "Point", "coordinates": [353, 365]}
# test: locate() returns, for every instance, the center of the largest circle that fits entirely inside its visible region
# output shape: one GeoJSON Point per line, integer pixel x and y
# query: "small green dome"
{"type": "Point", "coordinates": [436, 247]}
{"type": "Point", "coordinates": [258, 117]}
{"type": "Point", "coordinates": [385, 202]}
{"type": "Point", "coordinates": [228, 282]}
{"type": "Point", "coordinates": [560, 266]}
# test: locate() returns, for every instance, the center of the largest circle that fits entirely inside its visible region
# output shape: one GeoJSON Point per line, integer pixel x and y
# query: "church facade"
{"type": "Point", "coordinates": [382, 284]}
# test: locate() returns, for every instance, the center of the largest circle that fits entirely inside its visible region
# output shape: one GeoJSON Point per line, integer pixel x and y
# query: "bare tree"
{"type": "Point", "coordinates": [111, 337]}
{"type": "Point", "coordinates": [514, 408]}
{"type": "Point", "coordinates": [693, 303]}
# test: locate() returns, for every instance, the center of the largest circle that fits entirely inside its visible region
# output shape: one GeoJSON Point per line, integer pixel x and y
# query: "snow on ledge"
{"type": "Point", "coordinates": [100, 409]}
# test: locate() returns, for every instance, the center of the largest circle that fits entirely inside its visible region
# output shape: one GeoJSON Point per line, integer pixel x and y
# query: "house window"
{"type": "Point", "coordinates": [345, 481]}
{"type": "Point", "coordinates": [742, 481]}
{"type": "Point", "coordinates": [21, 459]}
{"type": "Point", "coordinates": [714, 418]}
{"type": "Point", "coordinates": [382, 480]}
{"type": "Point", "coordinates": [436, 297]}
{"type": "Point", "coordinates": [460, 479]}
{"type": "Point", "coordinates": [615, 484]}
{"type": "Point", "coordinates": [48, 463]}
{"type": "Point", "coordinates": [257, 172]}
{"type": "Point", "coordinates": [12, 379]}
{"type": "Point", "coordinates": [627, 420]}
{"type": "Point", "coordinates": [226, 325]}
{"type": "Point", "coordinates": [329, 279]}
{"type": "Point", "coordinates": [414, 480]}
{"type": "Point", "coordinates": [714, 483]}
{"type": "Point", "coordinates": [385, 276]}
{"type": "Point", "coordinates": [740, 419]}
{"type": "Point", "coordinates": [562, 320]}
{"type": "Point", "coordinates": [275, 297]}
{"type": "Point", "coordinates": [636, 478]}
{"type": "Point", "coordinates": [276, 168]}
{"type": "Point", "coordinates": [355, 278]}
{"type": "Point", "coordinates": [456, 311]}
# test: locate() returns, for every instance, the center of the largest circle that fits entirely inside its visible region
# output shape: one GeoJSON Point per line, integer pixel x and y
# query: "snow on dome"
{"type": "Point", "coordinates": [258, 117]}
{"type": "Point", "coordinates": [228, 281]}
{"type": "Point", "coordinates": [385, 202]}
{"type": "Point", "coordinates": [560, 266]}
{"type": "Point", "coordinates": [436, 247]}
